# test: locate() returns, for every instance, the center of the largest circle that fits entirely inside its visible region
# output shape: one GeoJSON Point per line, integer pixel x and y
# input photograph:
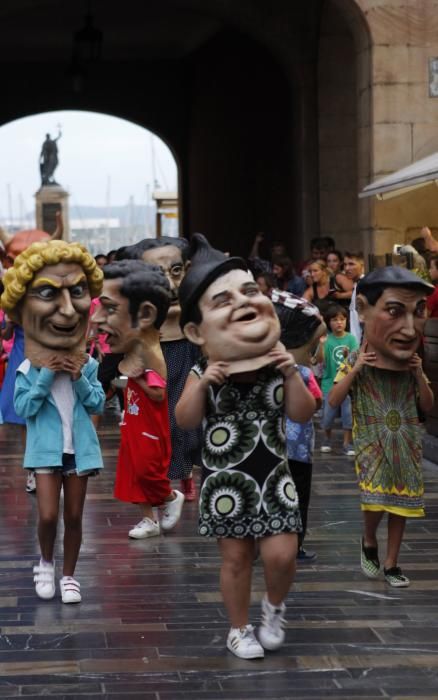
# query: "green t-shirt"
{"type": "Point", "coordinates": [334, 356]}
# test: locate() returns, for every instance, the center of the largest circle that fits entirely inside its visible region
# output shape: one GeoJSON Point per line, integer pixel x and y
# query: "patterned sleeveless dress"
{"type": "Point", "coordinates": [247, 489]}
{"type": "Point", "coordinates": [387, 439]}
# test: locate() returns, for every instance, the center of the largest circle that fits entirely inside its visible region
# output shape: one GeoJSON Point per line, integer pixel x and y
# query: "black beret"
{"type": "Point", "coordinates": [207, 264]}
{"type": "Point", "coordinates": [393, 276]}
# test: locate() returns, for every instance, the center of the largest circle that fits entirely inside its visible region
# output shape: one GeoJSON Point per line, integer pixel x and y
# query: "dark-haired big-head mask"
{"type": "Point", "coordinates": [394, 325]}
{"type": "Point", "coordinates": [137, 339]}
{"type": "Point", "coordinates": [239, 324]}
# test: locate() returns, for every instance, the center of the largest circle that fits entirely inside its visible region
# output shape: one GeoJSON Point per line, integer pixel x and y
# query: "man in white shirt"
{"type": "Point", "coordinates": [354, 270]}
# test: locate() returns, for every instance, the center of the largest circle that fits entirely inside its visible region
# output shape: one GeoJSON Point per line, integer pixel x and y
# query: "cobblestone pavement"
{"type": "Point", "coordinates": [152, 625]}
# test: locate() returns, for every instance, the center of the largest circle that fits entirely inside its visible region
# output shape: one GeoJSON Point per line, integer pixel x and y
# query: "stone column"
{"type": "Point", "coordinates": [48, 200]}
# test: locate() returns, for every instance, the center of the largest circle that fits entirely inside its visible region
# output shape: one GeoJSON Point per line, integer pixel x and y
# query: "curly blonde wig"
{"type": "Point", "coordinates": [37, 256]}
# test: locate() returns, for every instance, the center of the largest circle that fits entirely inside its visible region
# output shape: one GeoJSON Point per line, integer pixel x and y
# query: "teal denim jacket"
{"type": "Point", "coordinates": [44, 441]}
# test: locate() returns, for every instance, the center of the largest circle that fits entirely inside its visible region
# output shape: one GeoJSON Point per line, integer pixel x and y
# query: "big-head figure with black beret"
{"type": "Point", "coordinates": [240, 391]}
{"type": "Point", "coordinates": [224, 312]}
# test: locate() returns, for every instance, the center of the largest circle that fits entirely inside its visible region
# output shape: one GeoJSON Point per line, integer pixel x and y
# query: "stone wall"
{"type": "Point", "coordinates": [404, 119]}
{"type": "Point", "coordinates": [337, 129]}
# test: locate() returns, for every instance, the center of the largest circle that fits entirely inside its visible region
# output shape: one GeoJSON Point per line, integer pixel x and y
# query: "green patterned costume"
{"type": "Point", "coordinates": [387, 439]}
{"type": "Point", "coordinates": [247, 489]}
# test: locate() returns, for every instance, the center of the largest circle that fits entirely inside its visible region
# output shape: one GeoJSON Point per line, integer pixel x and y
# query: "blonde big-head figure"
{"type": "Point", "coordinates": [48, 291]}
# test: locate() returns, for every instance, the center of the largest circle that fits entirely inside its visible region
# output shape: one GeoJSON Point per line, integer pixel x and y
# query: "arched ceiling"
{"type": "Point", "coordinates": [43, 30]}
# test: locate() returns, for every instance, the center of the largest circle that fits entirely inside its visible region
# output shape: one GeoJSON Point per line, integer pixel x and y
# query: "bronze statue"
{"type": "Point", "coordinates": [49, 160]}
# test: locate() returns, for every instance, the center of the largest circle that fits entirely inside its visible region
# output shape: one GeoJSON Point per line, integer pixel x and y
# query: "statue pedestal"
{"type": "Point", "coordinates": [48, 200]}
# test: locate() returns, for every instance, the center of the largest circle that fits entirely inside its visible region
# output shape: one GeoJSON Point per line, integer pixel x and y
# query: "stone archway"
{"type": "Point", "coordinates": [230, 87]}
{"type": "Point", "coordinates": [344, 123]}
{"type": "Point", "coordinates": [109, 176]}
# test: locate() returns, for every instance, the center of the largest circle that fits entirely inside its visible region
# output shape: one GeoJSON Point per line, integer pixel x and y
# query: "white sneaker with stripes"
{"type": "Point", "coordinates": [242, 642]}
{"type": "Point", "coordinates": [70, 590]}
{"type": "Point", "coordinates": [271, 633]}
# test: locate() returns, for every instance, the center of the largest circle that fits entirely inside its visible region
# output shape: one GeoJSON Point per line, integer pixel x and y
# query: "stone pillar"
{"type": "Point", "coordinates": [48, 200]}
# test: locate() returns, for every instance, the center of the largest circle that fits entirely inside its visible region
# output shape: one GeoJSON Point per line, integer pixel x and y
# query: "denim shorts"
{"type": "Point", "coordinates": [68, 467]}
{"type": "Point", "coordinates": [330, 413]}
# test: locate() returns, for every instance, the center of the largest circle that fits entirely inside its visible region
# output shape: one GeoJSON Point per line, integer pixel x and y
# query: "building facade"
{"type": "Point", "coordinates": [277, 113]}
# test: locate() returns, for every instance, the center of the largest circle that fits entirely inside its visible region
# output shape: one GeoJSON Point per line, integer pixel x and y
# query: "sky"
{"type": "Point", "coordinates": [101, 158]}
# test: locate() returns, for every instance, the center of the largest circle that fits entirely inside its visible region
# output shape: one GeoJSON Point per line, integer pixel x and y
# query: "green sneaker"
{"type": "Point", "coordinates": [395, 577]}
{"type": "Point", "coordinates": [369, 560]}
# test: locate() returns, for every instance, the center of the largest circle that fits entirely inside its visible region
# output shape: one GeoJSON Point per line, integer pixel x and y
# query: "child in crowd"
{"type": "Point", "coordinates": [48, 291]}
{"type": "Point", "coordinates": [337, 346]}
{"type": "Point", "coordinates": [300, 438]}
{"type": "Point", "coordinates": [301, 328]}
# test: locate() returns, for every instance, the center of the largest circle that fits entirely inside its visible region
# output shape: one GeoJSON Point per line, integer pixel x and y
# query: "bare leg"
{"type": "Point", "coordinates": [372, 520]}
{"type": "Point", "coordinates": [279, 553]}
{"type": "Point", "coordinates": [146, 511]}
{"type": "Point", "coordinates": [236, 573]}
{"type": "Point", "coordinates": [347, 437]}
{"type": "Point", "coordinates": [396, 528]}
{"type": "Point", "coordinates": [48, 490]}
{"type": "Point", "coordinates": [75, 489]}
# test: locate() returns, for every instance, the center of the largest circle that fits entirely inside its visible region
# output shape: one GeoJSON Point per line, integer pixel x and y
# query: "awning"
{"type": "Point", "coordinates": [419, 174]}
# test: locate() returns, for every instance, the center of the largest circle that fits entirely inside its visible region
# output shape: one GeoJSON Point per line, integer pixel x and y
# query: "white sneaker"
{"type": "Point", "coordinates": [171, 511]}
{"type": "Point", "coordinates": [145, 528]}
{"type": "Point", "coordinates": [70, 590]}
{"type": "Point", "coordinates": [271, 633]}
{"type": "Point", "coordinates": [44, 578]}
{"type": "Point", "coordinates": [30, 482]}
{"type": "Point", "coordinates": [325, 448]}
{"type": "Point", "coordinates": [241, 641]}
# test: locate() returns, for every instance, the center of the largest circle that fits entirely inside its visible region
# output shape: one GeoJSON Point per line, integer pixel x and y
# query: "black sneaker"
{"type": "Point", "coordinates": [395, 577]}
{"type": "Point", "coordinates": [369, 561]}
{"type": "Point", "coordinates": [305, 555]}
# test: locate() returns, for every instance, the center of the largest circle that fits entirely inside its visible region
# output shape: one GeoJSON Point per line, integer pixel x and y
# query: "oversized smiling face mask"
{"type": "Point", "coordinates": [54, 312]}
{"type": "Point", "coordinates": [239, 323]}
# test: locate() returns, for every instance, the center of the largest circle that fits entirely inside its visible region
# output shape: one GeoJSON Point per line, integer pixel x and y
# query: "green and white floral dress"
{"type": "Point", "coordinates": [247, 489]}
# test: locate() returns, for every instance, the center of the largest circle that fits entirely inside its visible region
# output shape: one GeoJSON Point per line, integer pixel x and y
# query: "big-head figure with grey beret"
{"type": "Point", "coordinates": [389, 392]}
{"type": "Point", "coordinates": [391, 302]}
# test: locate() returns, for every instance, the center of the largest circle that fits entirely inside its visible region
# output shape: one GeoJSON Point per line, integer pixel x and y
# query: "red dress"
{"type": "Point", "coordinates": [145, 449]}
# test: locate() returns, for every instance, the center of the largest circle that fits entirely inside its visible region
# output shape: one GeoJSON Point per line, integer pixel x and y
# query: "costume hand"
{"type": "Point", "coordinates": [416, 365]}
{"type": "Point", "coordinates": [364, 358]}
{"type": "Point", "coordinates": [215, 373]}
{"type": "Point", "coordinates": [55, 363]}
{"type": "Point", "coordinates": [73, 365]}
{"type": "Point", "coordinates": [284, 361]}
